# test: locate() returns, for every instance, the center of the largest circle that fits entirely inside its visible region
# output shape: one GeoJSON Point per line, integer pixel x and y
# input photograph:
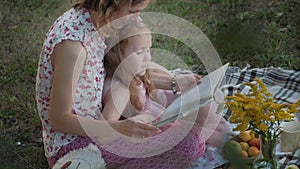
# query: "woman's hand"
{"type": "Point", "coordinates": [186, 81]}
{"type": "Point", "coordinates": [135, 128]}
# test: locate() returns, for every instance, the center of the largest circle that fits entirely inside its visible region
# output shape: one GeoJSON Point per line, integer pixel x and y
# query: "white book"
{"type": "Point", "coordinates": [195, 98]}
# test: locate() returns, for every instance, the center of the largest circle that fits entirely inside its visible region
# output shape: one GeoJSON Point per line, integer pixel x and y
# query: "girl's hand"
{"type": "Point", "coordinates": [186, 81]}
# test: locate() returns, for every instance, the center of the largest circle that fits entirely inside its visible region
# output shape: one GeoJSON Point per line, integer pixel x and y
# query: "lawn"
{"type": "Point", "coordinates": [260, 33]}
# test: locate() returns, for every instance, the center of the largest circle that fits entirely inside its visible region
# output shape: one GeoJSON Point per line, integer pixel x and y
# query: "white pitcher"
{"type": "Point", "coordinates": [290, 136]}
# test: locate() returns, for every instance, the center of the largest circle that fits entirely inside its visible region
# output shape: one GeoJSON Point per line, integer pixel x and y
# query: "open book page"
{"type": "Point", "coordinates": [195, 98]}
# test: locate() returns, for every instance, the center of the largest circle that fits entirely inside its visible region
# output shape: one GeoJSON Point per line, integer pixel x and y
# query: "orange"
{"type": "Point", "coordinates": [244, 154]}
{"type": "Point", "coordinates": [253, 151]}
{"type": "Point", "coordinates": [244, 145]}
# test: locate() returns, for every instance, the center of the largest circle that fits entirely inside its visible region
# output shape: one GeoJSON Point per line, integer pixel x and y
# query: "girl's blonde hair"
{"type": "Point", "coordinates": [115, 55]}
{"type": "Point", "coordinates": [105, 8]}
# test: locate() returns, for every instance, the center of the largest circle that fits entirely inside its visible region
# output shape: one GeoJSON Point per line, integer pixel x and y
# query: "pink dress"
{"type": "Point", "coordinates": [159, 152]}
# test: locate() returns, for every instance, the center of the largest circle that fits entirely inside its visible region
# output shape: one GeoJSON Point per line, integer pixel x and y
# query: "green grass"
{"type": "Point", "coordinates": [22, 31]}
{"type": "Point", "coordinates": [261, 33]}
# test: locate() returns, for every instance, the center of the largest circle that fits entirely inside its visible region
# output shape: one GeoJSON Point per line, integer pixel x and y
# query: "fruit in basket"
{"type": "Point", "coordinates": [292, 166]}
{"type": "Point", "coordinates": [255, 142]}
{"type": "Point", "coordinates": [232, 149]}
{"type": "Point", "coordinates": [253, 151]}
{"type": "Point", "coordinates": [244, 145]}
{"type": "Point", "coordinates": [245, 135]}
{"type": "Point", "coordinates": [244, 154]}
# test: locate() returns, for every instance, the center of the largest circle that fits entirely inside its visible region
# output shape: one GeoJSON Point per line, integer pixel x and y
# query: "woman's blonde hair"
{"type": "Point", "coordinates": [105, 8]}
{"type": "Point", "coordinates": [115, 55]}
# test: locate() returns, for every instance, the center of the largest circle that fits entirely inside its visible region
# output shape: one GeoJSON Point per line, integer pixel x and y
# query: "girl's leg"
{"type": "Point", "coordinates": [214, 128]}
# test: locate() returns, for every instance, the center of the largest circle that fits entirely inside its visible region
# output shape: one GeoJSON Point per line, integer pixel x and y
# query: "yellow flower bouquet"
{"type": "Point", "coordinates": [257, 111]}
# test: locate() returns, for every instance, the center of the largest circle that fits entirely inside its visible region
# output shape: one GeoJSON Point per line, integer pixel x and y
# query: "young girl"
{"type": "Point", "coordinates": [128, 91]}
{"type": "Point", "coordinates": [127, 86]}
{"type": "Point", "coordinates": [127, 63]}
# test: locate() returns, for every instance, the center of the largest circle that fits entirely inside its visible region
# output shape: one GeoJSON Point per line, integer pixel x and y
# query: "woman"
{"type": "Point", "coordinates": [70, 78]}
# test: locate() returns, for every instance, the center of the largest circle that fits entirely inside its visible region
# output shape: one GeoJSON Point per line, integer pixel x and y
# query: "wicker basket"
{"type": "Point", "coordinates": [248, 160]}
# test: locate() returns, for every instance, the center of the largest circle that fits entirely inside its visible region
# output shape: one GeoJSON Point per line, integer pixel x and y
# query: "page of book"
{"type": "Point", "coordinates": [195, 98]}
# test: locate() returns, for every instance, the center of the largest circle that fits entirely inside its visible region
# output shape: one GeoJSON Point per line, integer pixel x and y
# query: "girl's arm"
{"type": "Point", "coordinates": [162, 78]}
{"type": "Point", "coordinates": [68, 60]}
{"type": "Point", "coordinates": [115, 102]}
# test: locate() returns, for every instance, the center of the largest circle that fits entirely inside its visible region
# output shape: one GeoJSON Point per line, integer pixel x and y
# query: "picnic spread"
{"type": "Point", "coordinates": [285, 88]}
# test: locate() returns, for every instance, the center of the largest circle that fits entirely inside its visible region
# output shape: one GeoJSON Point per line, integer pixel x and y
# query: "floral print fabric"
{"type": "Point", "coordinates": [76, 25]}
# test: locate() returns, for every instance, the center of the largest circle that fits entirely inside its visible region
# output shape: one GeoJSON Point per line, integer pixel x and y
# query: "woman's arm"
{"type": "Point", "coordinates": [67, 59]}
{"type": "Point", "coordinates": [162, 78]}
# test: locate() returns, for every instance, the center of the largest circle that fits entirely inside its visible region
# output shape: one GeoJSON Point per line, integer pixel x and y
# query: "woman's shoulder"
{"type": "Point", "coordinates": [75, 25]}
{"type": "Point", "coordinates": [72, 24]}
{"type": "Point", "coordinates": [79, 18]}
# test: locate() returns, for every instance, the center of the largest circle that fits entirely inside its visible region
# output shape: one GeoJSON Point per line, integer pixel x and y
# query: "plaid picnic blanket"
{"type": "Point", "coordinates": [290, 159]}
{"type": "Point", "coordinates": [283, 84]}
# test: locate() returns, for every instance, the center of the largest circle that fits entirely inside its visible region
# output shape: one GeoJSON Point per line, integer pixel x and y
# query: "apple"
{"type": "Point", "coordinates": [255, 142]}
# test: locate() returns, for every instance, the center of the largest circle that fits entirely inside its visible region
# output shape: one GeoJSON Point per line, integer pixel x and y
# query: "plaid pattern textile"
{"type": "Point", "coordinates": [283, 84]}
{"type": "Point", "coordinates": [290, 159]}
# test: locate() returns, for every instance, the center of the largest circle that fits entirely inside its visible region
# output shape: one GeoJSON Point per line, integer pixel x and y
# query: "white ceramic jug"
{"type": "Point", "coordinates": [290, 136]}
